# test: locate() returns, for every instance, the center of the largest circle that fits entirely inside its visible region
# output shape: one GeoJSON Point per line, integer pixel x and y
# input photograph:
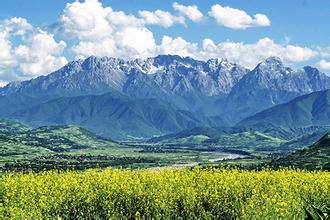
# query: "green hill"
{"type": "Point", "coordinates": [18, 141]}
{"type": "Point", "coordinates": [316, 156]}
{"type": "Point", "coordinates": [307, 110]}
{"type": "Point", "coordinates": [7, 126]}
{"type": "Point", "coordinates": [223, 139]}
{"type": "Point", "coordinates": [113, 115]}
{"type": "Point", "coordinates": [52, 138]}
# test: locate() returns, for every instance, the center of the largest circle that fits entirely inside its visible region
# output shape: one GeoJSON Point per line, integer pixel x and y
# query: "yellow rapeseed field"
{"type": "Point", "coordinates": [165, 194]}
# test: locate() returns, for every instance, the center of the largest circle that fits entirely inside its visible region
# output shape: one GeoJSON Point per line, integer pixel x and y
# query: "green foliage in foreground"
{"type": "Point", "coordinates": [165, 193]}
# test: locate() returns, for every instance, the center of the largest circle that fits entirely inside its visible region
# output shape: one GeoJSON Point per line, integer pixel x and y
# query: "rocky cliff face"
{"type": "Point", "coordinates": [271, 83]}
{"type": "Point", "coordinates": [170, 73]}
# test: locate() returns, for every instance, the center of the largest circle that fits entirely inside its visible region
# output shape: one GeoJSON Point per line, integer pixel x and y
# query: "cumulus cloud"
{"type": "Point", "coordinates": [120, 19]}
{"type": "Point", "coordinates": [89, 28]}
{"type": "Point", "coordinates": [245, 54]}
{"type": "Point", "coordinates": [6, 58]}
{"type": "Point", "coordinates": [100, 48]}
{"type": "Point", "coordinates": [15, 26]}
{"type": "Point", "coordinates": [324, 52]}
{"type": "Point", "coordinates": [104, 32]}
{"type": "Point", "coordinates": [84, 21]}
{"type": "Point", "coordinates": [323, 64]}
{"type": "Point", "coordinates": [190, 11]}
{"type": "Point", "coordinates": [250, 54]}
{"type": "Point", "coordinates": [40, 54]}
{"type": "Point", "coordinates": [178, 46]}
{"type": "Point", "coordinates": [8, 28]}
{"type": "Point", "coordinates": [161, 18]}
{"type": "Point", "coordinates": [138, 39]}
{"type": "Point", "coordinates": [237, 19]}
{"type": "Point", "coordinates": [36, 52]}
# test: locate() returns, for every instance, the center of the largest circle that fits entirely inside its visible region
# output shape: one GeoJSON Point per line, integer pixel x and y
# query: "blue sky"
{"type": "Point", "coordinates": [48, 34]}
{"type": "Point", "coordinates": [306, 22]}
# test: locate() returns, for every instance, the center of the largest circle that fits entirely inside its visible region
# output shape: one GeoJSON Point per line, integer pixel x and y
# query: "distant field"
{"type": "Point", "coordinates": [165, 193]}
{"type": "Point", "coordinates": [70, 147]}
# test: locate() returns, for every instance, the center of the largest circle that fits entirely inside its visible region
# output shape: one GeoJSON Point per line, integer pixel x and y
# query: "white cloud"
{"type": "Point", "coordinates": [120, 19]}
{"type": "Point", "coordinates": [85, 21]}
{"type": "Point", "coordinates": [190, 11]}
{"type": "Point", "coordinates": [15, 26]}
{"type": "Point", "coordinates": [84, 49]}
{"type": "Point", "coordinates": [40, 54]}
{"type": "Point", "coordinates": [8, 28]}
{"type": "Point", "coordinates": [130, 42]}
{"type": "Point", "coordinates": [161, 18]}
{"type": "Point", "coordinates": [324, 52]}
{"type": "Point", "coordinates": [104, 32]}
{"type": "Point", "coordinates": [35, 52]}
{"type": "Point", "coordinates": [6, 58]}
{"type": "Point", "coordinates": [237, 19]}
{"type": "Point", "coordinates": [92, 29]}
{"type": "Point", "coordinates": [138, 39]}
{"type": "Point", "coordinates": [323, 64]}
{"type": "Point", "coordinates": [250, 54]}
{"type": "Point", "coordinates": [178, 46]}
{"type": "Point", "coordinates": [122, 35]}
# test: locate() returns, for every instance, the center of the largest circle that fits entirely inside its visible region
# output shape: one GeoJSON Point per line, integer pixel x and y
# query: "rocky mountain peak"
{"type": "Point", "coordinates": [311, 70]}
{"type": "Point", "coordinates": [273, 60]}
{"type": "Point", "coordinates": [270, 65]}
{"type": "Point", "coordinates": [171, 76]}
{"type": "Point", "coordinates": [94, 63]}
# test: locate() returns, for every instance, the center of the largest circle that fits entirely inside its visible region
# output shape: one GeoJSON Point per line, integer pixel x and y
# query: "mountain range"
{"type": "Point", "coordinates": [165, 94]}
